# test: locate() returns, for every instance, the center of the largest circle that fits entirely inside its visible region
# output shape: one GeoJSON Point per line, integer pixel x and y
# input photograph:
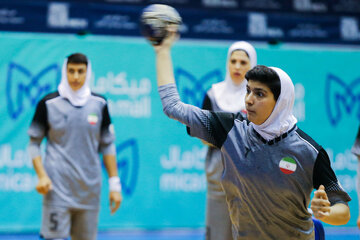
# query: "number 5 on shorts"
{"type": "Point", "coordinates": [53, 221]}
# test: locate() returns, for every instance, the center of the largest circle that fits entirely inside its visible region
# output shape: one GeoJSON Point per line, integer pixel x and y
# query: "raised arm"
{"type": "Point", "coordinates": [206, 125]}
{"type": "Point", "coordinates": [164, 68]}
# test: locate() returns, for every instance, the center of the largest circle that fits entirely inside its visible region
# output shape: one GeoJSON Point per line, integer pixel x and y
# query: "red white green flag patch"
{"type": "Point", "coordinates": [287, 165]}
{"type": "Point", "coordinates": [92, 118]}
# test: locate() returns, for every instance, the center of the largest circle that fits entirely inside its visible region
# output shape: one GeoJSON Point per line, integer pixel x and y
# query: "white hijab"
{"type": "Point", "coordinates": [228, 96]}
{"type": "Point", "coordinates": [281, 119]}
{"type": "Point", "coordinates": [77, 98]}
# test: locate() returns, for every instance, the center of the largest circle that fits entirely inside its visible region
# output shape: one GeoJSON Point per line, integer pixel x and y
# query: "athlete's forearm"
{"type": "Point", "coordinates": [34, 151]}
{"type": "Point", "coordinates": [39, 167]}
{"type": "Point", "coordinates": [164, 68]}
{"type": "Point", "coordinates": [110, 165]}
{"type": "Point", "coordinates": [114, 180]}
{"type": "Point", "coordinates": [339, 215]}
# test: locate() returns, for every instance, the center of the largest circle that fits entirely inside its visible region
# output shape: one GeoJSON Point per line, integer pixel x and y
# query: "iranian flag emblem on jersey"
{"type": "Point", "coordinates": [92, 118]}
{"type": "Point", "coordinates": [287, 165]}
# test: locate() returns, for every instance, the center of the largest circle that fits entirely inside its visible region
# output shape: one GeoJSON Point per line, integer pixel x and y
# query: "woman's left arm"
{"type": "Point", "coordinates": [337, 214]}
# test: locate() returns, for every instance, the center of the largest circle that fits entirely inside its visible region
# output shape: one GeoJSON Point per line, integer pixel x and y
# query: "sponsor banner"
{"type": "Point", "coordinates": [338, 7]}
{"type": "Point", "coordinates": [350, 29]}
{"type": "Point", "coordinates": [346, 7]}
{"type": "Point", "coordinates": [265, 5]}
{"type": "Point", "coordinates": [161, 167]}
{"type": "Point", "coordinates": [213, 25]}
{"type": "Point", "coordinates": [250, 22]}
{"type": "Point", "coordinates": [22, 16]}
{"type": "Point", "coordinates": [297, 28]}
{"type": "Point", "coordinates": [286, 6]}
{"type": "Point", "coordinates": [311, 6]}
{"type": "Point", "coordinates": [292, 28]}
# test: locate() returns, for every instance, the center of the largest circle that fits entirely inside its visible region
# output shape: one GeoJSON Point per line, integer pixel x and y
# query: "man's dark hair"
{"type": "Point", "coordinates": [77, 58]}
{"type": "Point", "coordinates": [266, 76]}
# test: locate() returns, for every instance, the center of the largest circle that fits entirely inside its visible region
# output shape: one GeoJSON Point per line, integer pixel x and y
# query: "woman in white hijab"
{"type": "Point", "coordinates": [271, 167]}
{"type": "Point", "coordinates": [77, 126]}
{"type": "Point", "coordinates": [227, 96]}
{"type": "Point", "coordinates": [75, 89]}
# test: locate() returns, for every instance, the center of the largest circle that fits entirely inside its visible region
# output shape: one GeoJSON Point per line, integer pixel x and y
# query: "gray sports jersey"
{"type": "Point", "coordinates": [218, 223]}
{"type": "Point", "coordinates": [267, 183]}
{"type": "Point", "coordinates": [213, 164]}
{"type": "Point", "coordinates": [75, 136]}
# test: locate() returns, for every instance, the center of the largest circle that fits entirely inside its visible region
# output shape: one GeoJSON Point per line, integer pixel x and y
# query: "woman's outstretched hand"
{"type": "Point", "coordinates": [320, 204]}
{"type": "Point", "coordinates": [169, 40]}
{"type": "Point", "coordinates": [337, 214]}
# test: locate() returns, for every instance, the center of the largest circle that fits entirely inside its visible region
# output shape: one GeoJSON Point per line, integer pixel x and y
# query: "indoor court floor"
{"type": "Point", "coordinates": [333, 233]}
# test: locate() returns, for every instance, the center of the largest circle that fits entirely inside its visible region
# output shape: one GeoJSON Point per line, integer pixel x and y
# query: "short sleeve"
{"type": "Point", "coordinates": [324, 175]}
{"type": "Point", "coordinates": [107, 145]}
{"type": "Point", "coordinates": [106, 120]}
{"type": "Point", "coordinates": [39, 124]}
{"type": "Point", "coordinates": [207, 103]}
{"type": "Point", "coordinates": [217, 126]}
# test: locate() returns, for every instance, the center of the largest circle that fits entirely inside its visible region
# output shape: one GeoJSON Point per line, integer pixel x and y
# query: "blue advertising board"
{"type": "Point", "coordinates": [307, 21]}
{"type": "Point", "coordinates": [161, 167]}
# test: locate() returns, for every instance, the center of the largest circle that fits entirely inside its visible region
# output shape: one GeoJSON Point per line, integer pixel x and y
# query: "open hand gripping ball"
{"type": "Point", "coordinates": [154, 21]}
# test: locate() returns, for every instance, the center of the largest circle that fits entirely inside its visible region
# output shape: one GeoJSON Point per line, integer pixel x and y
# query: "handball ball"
{"type": "Point", "coordinates": [154, 20]}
